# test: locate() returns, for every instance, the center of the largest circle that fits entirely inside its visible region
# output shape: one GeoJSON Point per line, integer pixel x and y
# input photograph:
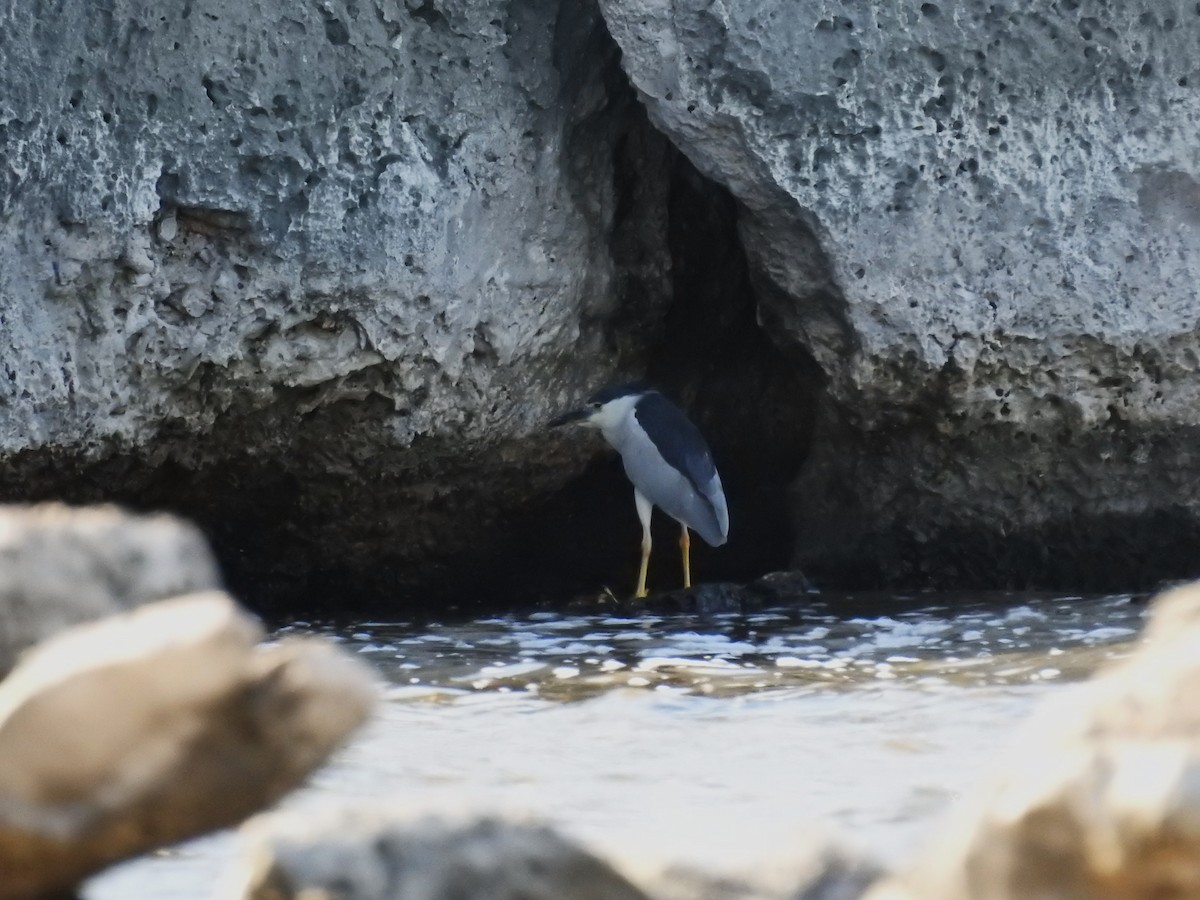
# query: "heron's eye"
{"type": "Point", "coordinates": [597, 405]}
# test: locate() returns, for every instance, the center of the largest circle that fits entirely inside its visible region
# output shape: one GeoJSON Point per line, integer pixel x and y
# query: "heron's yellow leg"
{"type": "Point", "coordinates": [644, 509]}
{"type": "Point", "coordinates": [641, 587]}
{"type": "Point", "coordinates": [685, 544]}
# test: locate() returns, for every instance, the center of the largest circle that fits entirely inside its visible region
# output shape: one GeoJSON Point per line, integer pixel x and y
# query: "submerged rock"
{"type": "Point", "coordinates": [373, 855]}
{"type": "Point", "coordinates": [60, 566]}
{"type": "Point", "coordinates": [777, 589]}
{"type": "Point", "coordinates": [1097, 796]}
{"type": "Point", "coordinates": [143, 729]}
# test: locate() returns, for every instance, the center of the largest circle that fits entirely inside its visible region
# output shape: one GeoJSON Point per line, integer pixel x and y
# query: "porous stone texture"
{"type": "Point", "coordinates": [61, 566]}
{"type": "Point", "coordinates": [368, 854]}
{"type": "Point", "coordinates": [1096, 797]}
{"type": "Point", "coordinates": [316, 276]}
{"type": "Point", "coordinates": [210, 206]}
{"type": "Point", "coordinates": [983, 221]}
{"type": "Point", "coordinates": [151, 727]}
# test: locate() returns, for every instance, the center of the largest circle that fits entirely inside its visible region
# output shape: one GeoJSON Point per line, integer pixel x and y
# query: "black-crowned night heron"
{"type": "Point", "coordinates": [668, 462]}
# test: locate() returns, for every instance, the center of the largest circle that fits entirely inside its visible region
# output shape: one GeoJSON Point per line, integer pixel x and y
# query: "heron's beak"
{"type": "Point", "coordinates": [575, 415]}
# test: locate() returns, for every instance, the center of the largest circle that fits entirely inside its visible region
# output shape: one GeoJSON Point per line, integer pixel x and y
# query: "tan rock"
{"type": "Point", "coordinates": [1099, 797]}
{"type": "Point", "coordinates": [154, 726]}
{"type": "Point", "coordinates": [61, 565]}
{"type": "Point", "coordinates": [370, 854]}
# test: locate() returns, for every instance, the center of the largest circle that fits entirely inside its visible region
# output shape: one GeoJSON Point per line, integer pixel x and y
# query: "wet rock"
{"type": "Point", "coordinates": [1097, 796]}
{"type": "Point", "coordinates": [700, 599]}
{"type": "Point", "coordinates": [157, 725]}
{"type": "Point", "coordinates": [60, 566]}
{"type": "Point", "coordinates": [777, 589]}
{"type": "Point", "coordinates": [373, 855]}
{"type": "Point", "coordinates": [784, 588]}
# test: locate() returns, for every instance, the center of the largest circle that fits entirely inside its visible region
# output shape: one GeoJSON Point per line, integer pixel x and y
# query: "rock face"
{"type": "Point", "coordinates": [316, 276]}
{"type": "Point", "coordinates": [1097, 796]}
{"type": "Point", "coordinates": [368, 855]}
{"type": "Point", "coordinates": [145, 729]}
{"type": "Point", "coordinates": [62, 566]}
{"type": "Point", "coordinates": [984, 224]}
{"type": "Point", "coordinates": [253, 254]}
{"type": "Point", "coordinates": [237, 204]}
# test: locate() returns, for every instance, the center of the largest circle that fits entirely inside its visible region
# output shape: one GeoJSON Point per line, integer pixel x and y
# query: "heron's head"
{"type": "Point", "coordinates": [605, 408]}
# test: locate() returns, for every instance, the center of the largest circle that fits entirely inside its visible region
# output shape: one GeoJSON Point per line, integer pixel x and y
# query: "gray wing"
{"type": "Point", "coordinates": [690, 491]}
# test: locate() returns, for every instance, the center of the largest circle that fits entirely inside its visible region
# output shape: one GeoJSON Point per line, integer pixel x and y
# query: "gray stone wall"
{"type": "Point", "coordinates": [205, 204]}
{"type": "Point", "coordinates": [316, 274]}
{"type": "Point", "coordinates": [1006, 196]}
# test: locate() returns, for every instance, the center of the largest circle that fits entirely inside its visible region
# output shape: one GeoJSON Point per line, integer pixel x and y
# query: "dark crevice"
{"type": "Point", "coordinates": [754, 399]}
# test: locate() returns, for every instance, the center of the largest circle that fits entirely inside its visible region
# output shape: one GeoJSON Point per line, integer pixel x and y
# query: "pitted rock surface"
{"type": "Point", "coordinates": [1007, 199]}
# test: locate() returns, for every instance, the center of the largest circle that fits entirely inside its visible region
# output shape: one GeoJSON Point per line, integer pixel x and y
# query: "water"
{"type": "Point", "coordinates": [713, 741]}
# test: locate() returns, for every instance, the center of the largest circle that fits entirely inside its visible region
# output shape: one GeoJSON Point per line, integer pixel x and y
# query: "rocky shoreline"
{"type": "Point", "coordinates": [134, 717]}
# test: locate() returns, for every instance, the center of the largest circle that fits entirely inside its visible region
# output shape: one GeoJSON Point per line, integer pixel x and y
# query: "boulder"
{"type": "Point", "coordinates": [60, 566]}
{"type": "Point", "coordinates": [367, 854]}
{"type": "Point", "coordinates": [1097, 797]}
{"type": "Point", "coordinates": [980, 225]}
{"type": "Point", "coordinates": [378, 854]}
{"type": "Point", "coordinates": [149, 727]}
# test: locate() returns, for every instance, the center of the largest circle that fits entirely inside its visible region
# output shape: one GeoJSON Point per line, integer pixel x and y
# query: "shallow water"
{"type": "Point", "coordinates": [714, 740]}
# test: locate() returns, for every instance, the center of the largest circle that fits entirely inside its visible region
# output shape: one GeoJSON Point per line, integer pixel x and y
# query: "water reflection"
{"type": "Point", "coordinates": [929, 640]}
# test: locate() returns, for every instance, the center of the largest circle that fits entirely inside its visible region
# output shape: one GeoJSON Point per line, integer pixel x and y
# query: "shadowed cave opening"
{"type": "Point", "coordinates": [754, 401]}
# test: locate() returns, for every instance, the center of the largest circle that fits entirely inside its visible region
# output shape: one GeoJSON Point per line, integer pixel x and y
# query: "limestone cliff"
{"type": "Point", "coordinates": [316, 275]}
{"type": "Point", "coordinates": [1006, 198]}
